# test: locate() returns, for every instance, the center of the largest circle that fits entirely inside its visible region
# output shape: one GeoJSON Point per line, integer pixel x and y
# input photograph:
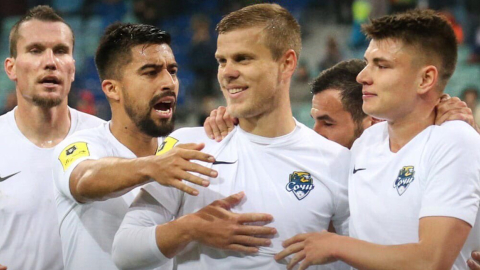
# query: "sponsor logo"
{"type": "Point", "coordinates": [359, 169]}
{"type": "Point", "coordinates": [8, 176]}
{"type": "Point", "coordinates": [166, 146]}
{"type": "Point", "coordinates": [73, 152]}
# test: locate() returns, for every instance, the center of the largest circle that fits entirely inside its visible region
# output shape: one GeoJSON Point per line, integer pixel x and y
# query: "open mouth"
{"type": "Point", "coordinates": [165, 106]}
{"type": "Point", "coordinates": [50, 80]}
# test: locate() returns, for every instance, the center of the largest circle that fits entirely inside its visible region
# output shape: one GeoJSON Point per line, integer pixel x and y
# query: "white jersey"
{"type": "Point", "coordinates": [300, 179]}
{"type": "Point", "coordinates": [87, 230]}
{"type": "Point", "coordinates": [436, 174]}
{"type": "Point", "coordinates": [28, 218]}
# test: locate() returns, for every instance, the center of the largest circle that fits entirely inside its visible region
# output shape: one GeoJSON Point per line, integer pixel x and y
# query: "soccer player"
{"type": "Point", "coordinates": [283, 167]}
{"type": "Point", "coordinates": [337, 103]}
{"type": "Point", "coordinates": [42, 66]}
{"type": "Point", "coordinates": [95, 170]}
{"type": "Point", "coordinates": [414, 187]}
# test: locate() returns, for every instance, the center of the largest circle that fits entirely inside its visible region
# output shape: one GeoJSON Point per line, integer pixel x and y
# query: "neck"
{"type": "Point", "coordinates": [129, 135]}
{"type": "Point", "coordinates": [403, 130]}
{"type": "Point", "coordinates": [273, 123]}
{"type": "Point", "coordinates": [44, 127]}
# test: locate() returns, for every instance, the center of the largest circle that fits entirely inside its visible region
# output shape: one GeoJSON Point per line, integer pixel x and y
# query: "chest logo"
{"type": "Point", "coordinates": [300, 184]}
{"type": "Point", "coordinates": [405, 177]}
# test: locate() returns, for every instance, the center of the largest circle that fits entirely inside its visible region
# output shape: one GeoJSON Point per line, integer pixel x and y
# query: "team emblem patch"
{"type": "Point", "coordinates": [167, 144]}
{"type": "Point", "coordinates": [73, 152]}
{"type": "Point", "coordinates": [405, 177]}
{"type": "Point", "coordinates": [300, 184]}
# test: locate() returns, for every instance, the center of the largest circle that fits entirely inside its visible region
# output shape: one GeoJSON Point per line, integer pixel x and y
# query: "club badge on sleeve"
{"type": "Point", "coordinates": [300, 184]}
{"type": "Point", "coordinates": [73, 152]}
{"type": "Point", "coordinates": [166, 146]}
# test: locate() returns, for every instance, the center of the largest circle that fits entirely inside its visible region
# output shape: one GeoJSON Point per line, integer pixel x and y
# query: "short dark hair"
{"type": "Point", "coordinates": [114, 51]}
{"type": "Point", "coordinates": [281, 29]}
{"type": "Point", "coordinates": [42, 13]}
{"type": "Point", "coordinates": [343, 77]}
{"type": "Point", "coordinates": [425, 30]}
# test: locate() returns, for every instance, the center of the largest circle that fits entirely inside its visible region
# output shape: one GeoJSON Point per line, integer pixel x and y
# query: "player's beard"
{"type": "Point", "coordinates": [46, 102]}
{"type": "Point", "coordinates": [144, 121]}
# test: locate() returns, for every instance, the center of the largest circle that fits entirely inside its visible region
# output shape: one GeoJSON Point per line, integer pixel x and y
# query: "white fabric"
{"type": "Point", "coordinates": [262, 170]}
{"type": "Point", "coordinates": [446, 182]}
{"type": "Point", "coordinates": [28, 218]}
{"type": "Point", "coordinates": [87, 230]}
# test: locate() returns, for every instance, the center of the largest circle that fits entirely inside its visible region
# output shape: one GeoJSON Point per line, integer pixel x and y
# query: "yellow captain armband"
{"type": "Point", "coordinates": [166, 146]}
{"type": "Point", "coordinates": [73, 152]}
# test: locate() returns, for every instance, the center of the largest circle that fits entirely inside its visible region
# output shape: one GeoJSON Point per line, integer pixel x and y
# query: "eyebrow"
{"type": "Point", "coordinates": [157, 66]}
{"type": "Point", "coordinates": [378, 60]}
{"type": "Point", "coordinates": [324, 117]}
{"type": "Point", "coordinates": [35, 45]}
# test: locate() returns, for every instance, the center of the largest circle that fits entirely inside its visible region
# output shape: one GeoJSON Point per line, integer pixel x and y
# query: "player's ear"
{"type": "Point", "coordinates": [111, 88]}
{"type": "Point", "coordinates": [9, 66]}
{"type": "Point", "coordinates": [289, 63]}
{"type": "Point", "coordinates": [428, 80]}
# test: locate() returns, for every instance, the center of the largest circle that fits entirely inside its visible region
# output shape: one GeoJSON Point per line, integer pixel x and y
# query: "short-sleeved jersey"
{"type": "Point", "coordinates": [437, 173]}
{"type": "Point", "coordinates": [87, 230]}
{"type": "Point", "coordinates": [299, 178]}
{"type": "Point", "coordinates": [28, 218]}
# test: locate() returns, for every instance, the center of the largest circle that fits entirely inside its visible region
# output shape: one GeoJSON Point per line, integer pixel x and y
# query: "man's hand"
{"type": "Point", "coordinates": [309, 249]}
{"type": "Point", "coordinates": [454, 109]}
{"type": "Point", "coordinates": [171, 167]}
{"type": "Point", "coordinates": [474, 262]}
{"type": "Point", "coordinates": [218, 227]}
{"type": "Point", "coordinates": [219, 124]}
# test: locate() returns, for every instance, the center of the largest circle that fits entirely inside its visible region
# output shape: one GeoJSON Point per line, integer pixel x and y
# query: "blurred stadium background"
{"type": "Point", "coordinates": [331, 33]}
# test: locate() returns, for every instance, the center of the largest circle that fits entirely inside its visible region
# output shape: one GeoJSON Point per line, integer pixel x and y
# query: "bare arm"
{"type": "Point", "coordinates": [440, 241]}
{"type": "Point", "coordinates": [105, 178]}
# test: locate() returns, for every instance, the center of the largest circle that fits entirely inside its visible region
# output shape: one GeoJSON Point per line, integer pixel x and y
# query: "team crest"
{"type": "Point", "coordinates": [405, 177]}
{"type": "Point", "coordinates": [300, 184]}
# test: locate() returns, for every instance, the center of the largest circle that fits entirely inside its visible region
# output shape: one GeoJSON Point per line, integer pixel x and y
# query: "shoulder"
{"type": "Point", "coordinates": [319, 143]}
{"type": "Point", "coordinates": [86, 120]}
{"type": "Point", "coordinates": [455, 135]}
{"type": "Point", "coordinates": [191, 135]}
{"type": "Point", "coordinates": [3, 118]}
{"type": "Point", "coordinates": [371, 136]}
{"type": "Point", "coordinates": [458, 130]}
{"type": "Point", "coordinates": [90, 137]}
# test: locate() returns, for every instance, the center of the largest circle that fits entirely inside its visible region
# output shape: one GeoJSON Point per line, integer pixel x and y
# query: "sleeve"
{"type": "Point", "coordinates": [67, 156]}
{"type": "Point", "coordinates": [341, 216]}
{"type": "Point", "coordinates": [135, 246]}
{"type": "Point", "coordinates": [452, 186]}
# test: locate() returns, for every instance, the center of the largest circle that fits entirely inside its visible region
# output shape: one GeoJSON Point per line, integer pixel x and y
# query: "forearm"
{"type": "Point", "coordinates": [105, 178]}
{"type": "Point", "coordinates": [364, 255]}
{"type": "Point", "coordinates": [135, 248]}
{"type": "Point", "coordinates": [174, 236]}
